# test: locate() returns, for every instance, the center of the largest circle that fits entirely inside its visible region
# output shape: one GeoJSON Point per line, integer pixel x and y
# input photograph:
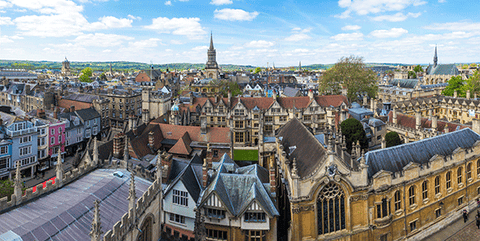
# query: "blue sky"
{"type": "Point", "coordinates": [245, 32]}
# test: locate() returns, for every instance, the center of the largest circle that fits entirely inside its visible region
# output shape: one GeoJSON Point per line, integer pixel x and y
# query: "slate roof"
{"type": "Point", "coordinates": [88, 114]}
{"type": "Point", "coordinates": [394, 159]}
{"type": "Point", "coordinates": [66, 214]}
{"type": "Point", "coordinates": [307, 150]}
{"type": "Point", "coordinates": [240, 188]}
{"type": "Point", "coordinates": [190, 173]}
{"type": "Point", "coordinates": [442, 69]}
{"type": "Point", "coordinates": [290, 92]}
{"type": "Point", "coordinates": [82, 97]}
{"type": "Point", "coordinates": [405, 83]}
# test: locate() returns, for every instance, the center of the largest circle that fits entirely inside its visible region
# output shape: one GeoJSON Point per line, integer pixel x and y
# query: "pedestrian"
{"type": "Point", "coordinates": [465, 215]}
{"type": "Point", "coordinates": [478, 220]}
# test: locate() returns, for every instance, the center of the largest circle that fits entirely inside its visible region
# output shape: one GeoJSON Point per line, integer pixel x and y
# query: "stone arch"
{"type": "Point", "coordinates": [146, 228]}
{"type": "Point", "coordinates": [331, 209]}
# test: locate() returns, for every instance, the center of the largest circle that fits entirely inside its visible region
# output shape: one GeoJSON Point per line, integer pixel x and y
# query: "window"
{"type": "Point", "coordinates": [120, 116]}
{"type": "Point", "coordinates": [448, 179]}
{"type": "Point", "coordinates": [307, 118]}
{"type": "Point", "coordinates": [220, 109]}
{"type": "Point", "coordinates": [238, 124]}
{"type": "Point", "coordinates": [52, 131]}
{"type": "Point", "coordinates": [275, 110]}
{"type": "Point", "coordinates": [268, 129]}
{"type": "Point", "coordinates": [3, 163]}
{"type": "Point", "coordinates": [3, 150]}
{"type": "Point", "coordinates": [478, 167]}
{"type": "Point", "coordinates": [437, 185]}
{"type": "Point", "coordinates": [215, 153]}
{"type": "Point", "coordinates": [255, 125]}
{"type": "Point", "coordinates": [215, 213]}
{"type": "Point", "coordinates": [25, 139]}
{"type": "Point", "coordinates": [330, 209]}
{"type": "Point", "coordinates": [239, 112]}
{"type": "Point", "coordinates": [283, 118]}
{"type": "Point", "coordinates": [177, 218]}
{"type": "Point", "coordinates": [268, 118]}
{"type": "Point", "coordinates": [52, 140]}
{"type": "Point", "coordinates": [216, 234]}
{"type": "Point", "coordinates": [425, 190]}
{"type": "Point", "coordinates": [239, 137]}
{"type": "Point", "coordinates": [459, 175]}
{"type": "Point", "coordinates": [255, 116]}
{"type": "Point", "coordinates": [25, 150]}
{"type": "Point", "coordinates": [60, 138]}
{"type": "Point", "coordinates": [438, 213]}
{"type": "Point", "coordinates": [42, 131]}
{"type": "Point", "coordinates": [411, 195]}
{"type": "Point", "coordinates": [180, 197]}
{"type": "Point", "coordinates": [379, 128]}
{"type": "Point", "coordinates": [398, 201]}
{"type": "Point", "coordinates": [383, 210]}
{"type": "Point", "coordinates": [60, 130]}
{"type": "Point", "coordinates": [460, 201]}
{"type": "Point", "coordinates": [413, 226]}
{"type": "Point", "coordinates": [212, 119]}
{"type": "Point", "coordinates": [254, 217]}
{"type": "Point", "coordinates": [256, 235]}
{"type": "Point", "coordinates": [379, 137]}
{"type": "Point", "coordinates": [469, 171]}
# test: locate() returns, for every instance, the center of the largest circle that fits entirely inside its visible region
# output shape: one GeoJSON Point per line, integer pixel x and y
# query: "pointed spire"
{"type": "Point", "coordinates": [96, 230]}
{"type": "Point", "coordinates": [211, 41]}
{"type": "Point", "coordinates": [125, 151]}
{"type": "Point", "coordinates": [59, 168]}
{"type": "Point", "coordinates": [435, 58]}
{"type": "Point", "coordinates": [17, 191]}
{"type": "Point", "coordinates": [132, 197]}
{"type": "Point", "coordinates": [95, 152]}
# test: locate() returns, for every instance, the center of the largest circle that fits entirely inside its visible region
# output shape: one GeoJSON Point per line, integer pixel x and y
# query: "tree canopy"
{"type": "Point", "coordinates": [349, 73]}
{"type": "Point", "coordinates": [418, 69]}
{"type": "Point", "coordinates": [233, 86]}
{"type": "Point", "coordinates": [412, 75]}
{"type": "Point", "coordinates": [257, 70]}
{"type": "Point", "coordinates": [353, 131]}
{"type": "Point", "coordinates": [393, 139]}
{"type": "Point", "coordinates": [85, 75]}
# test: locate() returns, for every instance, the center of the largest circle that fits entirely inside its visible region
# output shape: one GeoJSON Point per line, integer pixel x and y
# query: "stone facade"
{"type": "Point", "coordinates": [154, 104]}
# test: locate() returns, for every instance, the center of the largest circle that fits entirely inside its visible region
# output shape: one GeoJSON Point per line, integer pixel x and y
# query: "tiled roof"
{"type": "Point", "coordinates": [331, 100]}
{"type": "Point", "coordinates": [214, 134]}
{"type": "Point", "coordinates": [140, 144]}
{"type": "Point", "coordinates": [394, 159]}
{"type": "Point", "coordinates": [410, 121]}
{"type": "Point", "coordinates": [182, 146]}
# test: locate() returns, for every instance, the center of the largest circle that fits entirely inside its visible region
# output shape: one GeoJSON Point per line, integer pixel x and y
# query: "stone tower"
{"type": "Point", "coordinates": [66, 67]}
{"type": "Point", "coordinates": [211, 68]}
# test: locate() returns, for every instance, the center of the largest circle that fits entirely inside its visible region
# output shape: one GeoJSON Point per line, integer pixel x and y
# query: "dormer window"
{"type": "Point", "coordinates": [215, 213]}
{"type": "Point", "coordinates": [254, 217]}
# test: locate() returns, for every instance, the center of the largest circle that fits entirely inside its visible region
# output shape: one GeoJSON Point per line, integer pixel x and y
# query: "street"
{"type": "Point", "coordinates": [67, 165]}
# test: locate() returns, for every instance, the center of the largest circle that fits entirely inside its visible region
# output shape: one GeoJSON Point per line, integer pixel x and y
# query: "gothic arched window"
{"type": "Point", "coordinates": [331, 209]}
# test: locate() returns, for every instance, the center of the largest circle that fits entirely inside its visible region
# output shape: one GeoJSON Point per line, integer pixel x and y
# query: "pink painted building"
{"type": "Point", "coordinates": [56, 139]}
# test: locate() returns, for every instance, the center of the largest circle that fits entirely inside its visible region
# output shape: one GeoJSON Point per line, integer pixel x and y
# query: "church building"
{"type": "Point", "coordinates": [211, 67]}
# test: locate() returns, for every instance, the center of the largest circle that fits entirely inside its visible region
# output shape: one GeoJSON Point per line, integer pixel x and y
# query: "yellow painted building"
{"type": "Point", "coordinates": [405, 192]}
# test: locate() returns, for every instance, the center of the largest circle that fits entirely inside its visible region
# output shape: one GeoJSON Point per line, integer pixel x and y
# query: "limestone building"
{"type": "Point", "coordinates": [407, 191]}
{"type": "Point", "coordinates": [439, 73]}
{"type": "Point", "coordinates": [155, 104]}
{"type": "Point", "coordinates": [211, 67]}
{"type": "Point", "coordinates": [66, 67]}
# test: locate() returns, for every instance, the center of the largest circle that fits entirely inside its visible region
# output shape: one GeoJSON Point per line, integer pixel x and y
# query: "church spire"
{"type": "Point", "coordinates": [211, 41]}
{"type": "Point", "coordinates": [435, 58]}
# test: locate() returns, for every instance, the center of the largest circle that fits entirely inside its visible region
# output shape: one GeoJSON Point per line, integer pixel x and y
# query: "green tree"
{"type": "Point", "coordinates": [85, 75]}
{"type": "Point", "coordinates": [455, 83]}
{"type": "Point", "coordinates": [233, 87]}
{"type": "Point", "coordinates": [349, 73]}
{"type": "Point", "coordinates": [472, 84]}
{"type": "Point", "coordinates": [412, 75]}
{"type": "Point", "coordinates": [353, 131]}
{"type": "Point", "coordinates": [418, 69]}
{"type": "Point", "coordinates": [257, 70]}
{"type": "Point", "coordinates": [103, 77]}
{"type": "Point", "coordinates": [393, 139]}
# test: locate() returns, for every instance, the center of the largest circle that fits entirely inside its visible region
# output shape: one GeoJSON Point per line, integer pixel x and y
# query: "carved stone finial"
{"type": "Point", "coordinates": [294, 168]}
{"type": "Point", "coordinates": [59, 168]}
{"type": "Point", "coordinates": [96, 230]}
{"type": "Point", "coordinates": [132, 197]}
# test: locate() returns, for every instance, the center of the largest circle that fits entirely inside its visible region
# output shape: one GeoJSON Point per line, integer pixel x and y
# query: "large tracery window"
{"type": "Point", "coordinates": [331, 209]}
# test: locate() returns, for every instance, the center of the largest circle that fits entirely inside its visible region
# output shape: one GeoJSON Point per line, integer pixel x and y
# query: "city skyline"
{"type": "Point", "coordinates": [284, 33]}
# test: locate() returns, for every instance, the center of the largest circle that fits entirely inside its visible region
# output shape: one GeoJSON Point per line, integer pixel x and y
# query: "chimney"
{"type": "Point", "coordinates": [204, 173]}
{"type": "Point", "coordinates": [72, 108]}
{"type": "Point", "coordinates": [117, 145]}
{"type": "Point", "coordinates": [446, 129]}
{"type": "Point", "coordinates": [476, 125]}
{"type": "Point", "coordinates": [394, 116]}
{"type": "Point", "coordinates": [55, 113]}
{"type": "Point", "coordinates": [468, 94]}
{"type": "Point", "coordinates": [418, 120]}
{"type": "Point", "coordinates": [384, 142]}
{"type": "Point", "coordinates": [372, 105]}
{"type": "Point", "coordinates": [310, 94]}
{"type": "Point", "coordinates": [455, 94]}
{"type": "Point", "coordinates": [434, 123]}
{"type": "Point", "coordinates": [365, 100]}
{"type": "Point", "coordinates": [274, 95]}
{"type": "Point", "coordinates": [230, 98]}
{"type": "Point", "coordinates": [151, 139]}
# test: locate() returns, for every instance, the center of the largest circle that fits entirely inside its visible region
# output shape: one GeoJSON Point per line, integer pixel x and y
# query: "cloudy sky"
{"type": "Point", "coordinates": [253, 32]}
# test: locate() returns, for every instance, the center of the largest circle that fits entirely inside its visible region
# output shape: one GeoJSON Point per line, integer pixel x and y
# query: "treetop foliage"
{"type": "Point", "coordinates": [392, 139]}
{"type": "Point", "coordinates": [353, 131]}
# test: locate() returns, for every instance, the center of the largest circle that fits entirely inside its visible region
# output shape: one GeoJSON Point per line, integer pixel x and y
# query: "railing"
{"type": "Point", "coordinates": [22, 132]}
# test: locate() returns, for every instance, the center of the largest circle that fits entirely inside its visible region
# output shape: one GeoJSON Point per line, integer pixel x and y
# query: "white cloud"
{"type": "Point", "coordinates": [189, 27]}
{"type": "Point", "coordinates": [5, 21]}
{"type": "Point", "coordinates": [392, 33]}
{"type": "Point", "coordinates": [176, 42]}
{"type": "Point", "coordinates": [147, 43]}
{"type": "Point", "coordinates": [134, 17]}
{"type": "Point", "coordinates": [200, 48]}
{"type": "Point", "coordinates": [297, 37]}
{"type": "Point", "coordinates": [348, 37]}
{"type": "Point", "coordinates": [442, 1]}
{"type": "Point", "coordinates": [4, 4]}
{"type": "Point", "coordinates": [234, 14]}
{"type": "Point", "coordinates": [351, 27]}
{"type": "Point", "coordinates": [259, 44]}
{"type": "Point", "coordinates": [111, 22]}
{"type": "Point", "coordinates": [221, 2]}
{"type": "Point", "coordinates": [364, 7]}
{"type": "Point", "coordinates": [168, 3]}
{"type": "Point", "coordinates": [101, 40]}
{"type": "Point", "coordinates": [455, 26]}
{"type": "Point", "coordinates": [5, 39]}
{"type": "Point", "coordinates": [107, 51]}
{"type": "Point", "coordinates": [398, 17]}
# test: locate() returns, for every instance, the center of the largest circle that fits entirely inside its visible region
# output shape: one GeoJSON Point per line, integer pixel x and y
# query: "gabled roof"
{"type": "Point", "coordinates": [442, 69]}
{"type": "Point", "coordinates": [182, 146]}
{"type": "Point", "coordinates": [307, 150]}
{"type": "Point", "coordinates": [213, 135]}
{"type": "Point", "coordinates": [394, 159]}
{"type": "Point", "coordinates": [189, 173]}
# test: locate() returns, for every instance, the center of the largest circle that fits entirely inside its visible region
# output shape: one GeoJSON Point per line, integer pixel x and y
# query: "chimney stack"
{"type": "Point", "coordinates": [204, 173]}
{"type": "Point", "coordinates": [434, 123]}
{"type": "Point", "coordinates": [394, 116]}
{"type": "Point", "coordinates": [468, 94]}
{"type": "Point", "coordinates": [418, 120]}
{"type": "Point", "coordinates": [476, 125]}
{"type": "Point", "coordinates": [455, 94]}
{"type": "Point", "coordinates": [151, 139]}
{"type": "Point", "coordinates": [384, 142]}
{"type": "Point", "coordinates": [55, 113]}
{"type": "Point", "coordinates": [310, 94]}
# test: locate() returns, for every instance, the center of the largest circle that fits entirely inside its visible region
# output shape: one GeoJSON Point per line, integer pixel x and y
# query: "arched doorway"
{"type": "Point", "coordinates": [146, 230]}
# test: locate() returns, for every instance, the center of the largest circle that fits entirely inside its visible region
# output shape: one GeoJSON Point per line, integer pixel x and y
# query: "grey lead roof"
{"type": "Point", "coordinates": [405, 83]}
{"type": "Point", "coordinates": [67, 214]}
{"type": "Point", "coordinates": [442, 69]}
{"type": "Point", "coordinates": [394, 159]}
